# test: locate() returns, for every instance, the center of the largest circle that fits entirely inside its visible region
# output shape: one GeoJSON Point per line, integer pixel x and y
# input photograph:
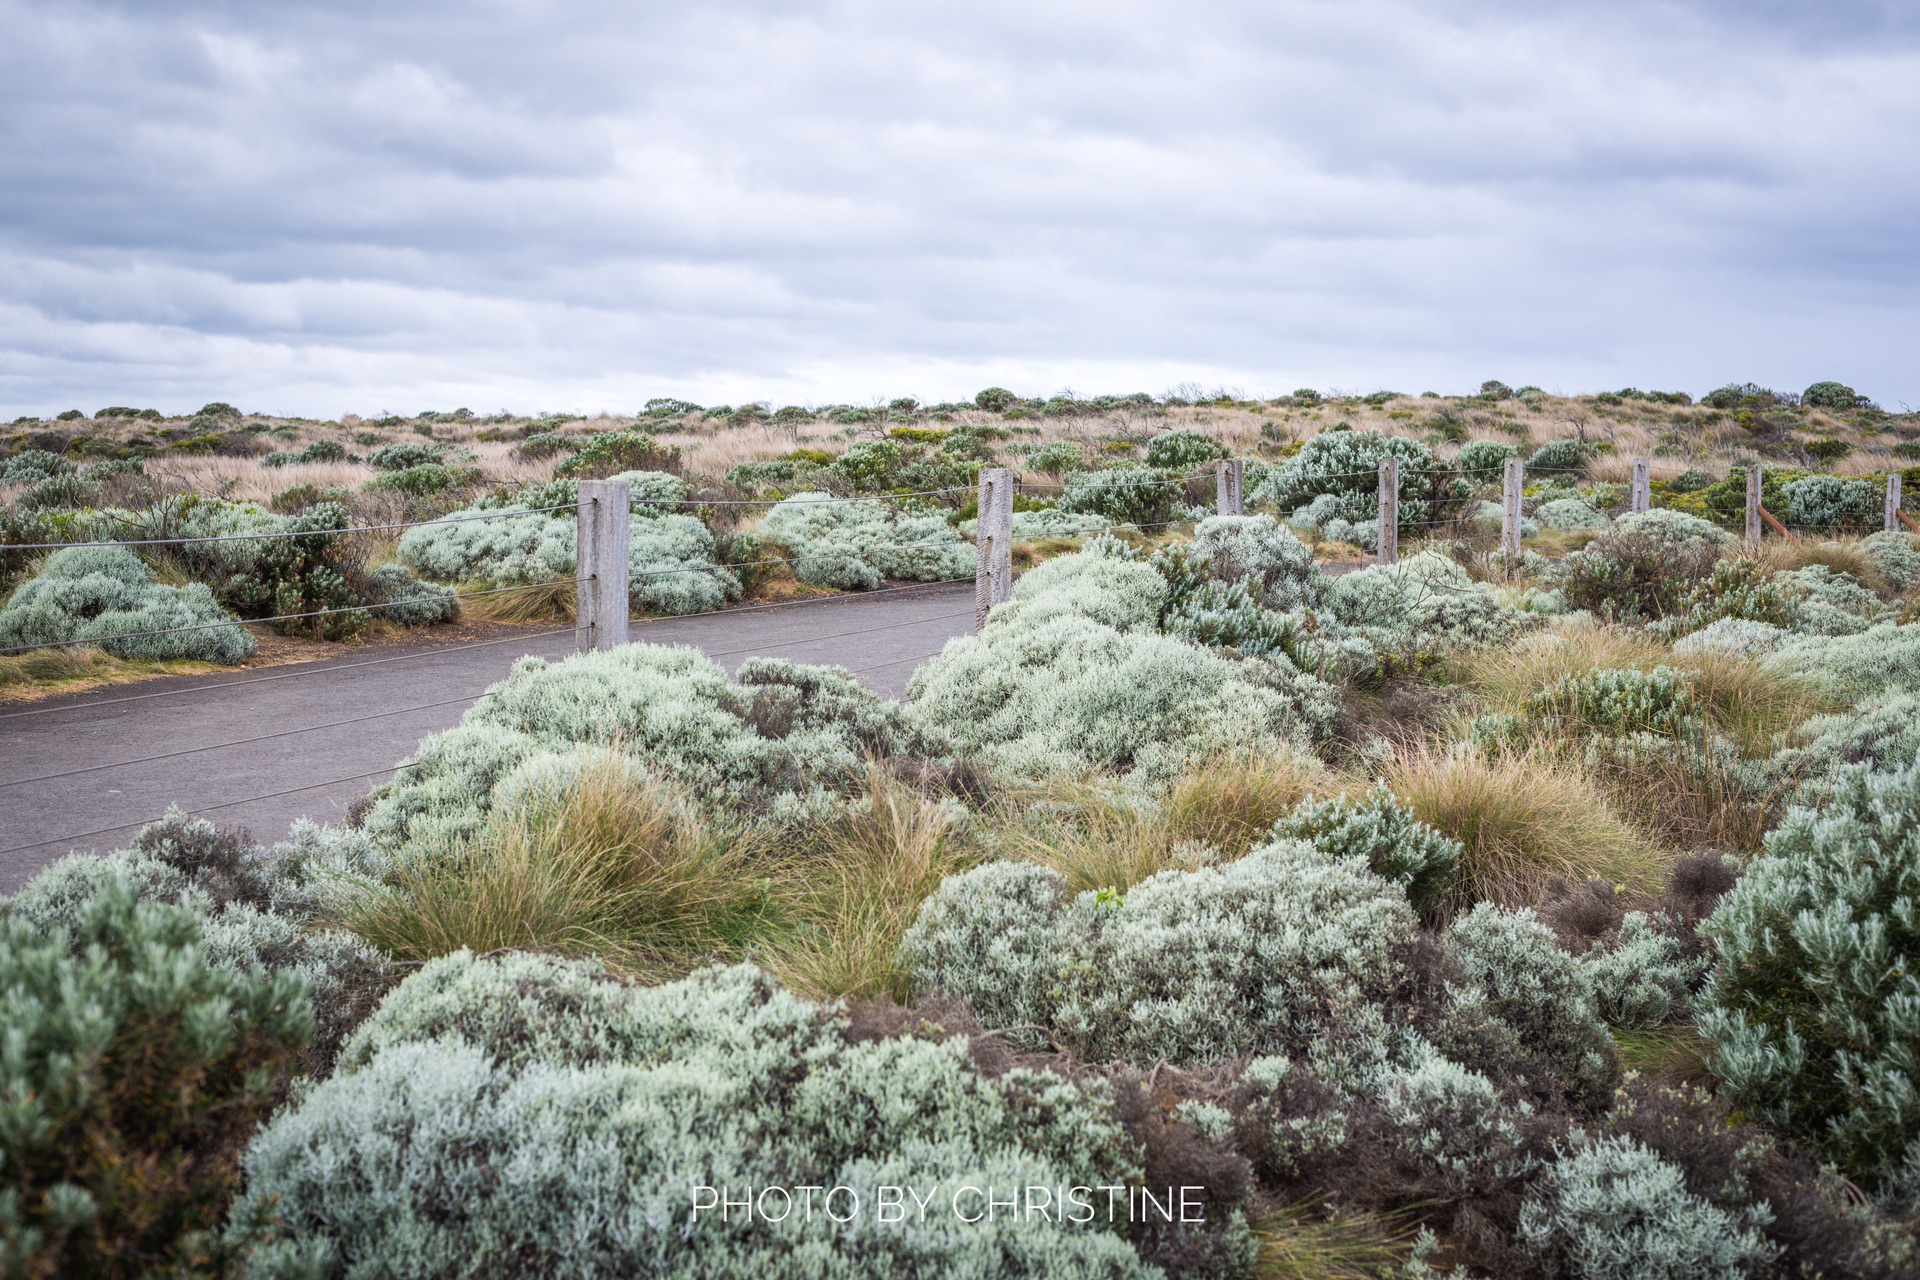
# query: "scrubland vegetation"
{"type": "Point", "coordinates": [1550, 915]}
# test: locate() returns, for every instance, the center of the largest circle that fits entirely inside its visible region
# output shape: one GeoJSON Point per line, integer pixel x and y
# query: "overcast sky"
{"type": "Point", "coordinates": [322, 208]}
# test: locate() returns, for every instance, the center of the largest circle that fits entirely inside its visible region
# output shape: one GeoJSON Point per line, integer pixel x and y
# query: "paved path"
{"type": "Point", "coordinates": [266, 783]}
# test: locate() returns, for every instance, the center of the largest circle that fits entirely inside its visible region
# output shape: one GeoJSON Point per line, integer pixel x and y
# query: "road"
{"type": "Point", "coordinates": [260, 749]}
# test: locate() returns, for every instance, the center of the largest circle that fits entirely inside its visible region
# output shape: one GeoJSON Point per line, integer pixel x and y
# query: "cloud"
{"type": "Point", "coordinates": [320, 208]}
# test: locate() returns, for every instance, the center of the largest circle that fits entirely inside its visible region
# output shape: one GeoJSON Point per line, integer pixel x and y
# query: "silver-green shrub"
{"type": "Point", "coordinates": [1183, 450]}
{"type": "Point", "coordinates": [992, 936]}
{"type": "Point", "coordinates": [409, 602]}
{"type": "Point", "coordinates": [96, 593]}
{"type": "Point", "coordinates": [778, 729]}
{"type": "Point", "coordinates": [1379, 830]}
{"type": "Point", "coordinates": [1830, 502]}
{"type": "Point", "coordinates": [1485, 459]}
{"type": "Point", "coordinates": [859, 545]}
{"type": "Point", "coordinates": [1610, 1209]}
{"type": "Point", "coordinates": [454, 1149]}
{"type": "Point", "coordinates": [1894, 556]}
{"type": "Point", "coordinates": [1570, 514]}
{"type": "Point", "coordinates": [1814, 1003]}
{"type": "Point", "coordinates": [1515, 972]}
{"type": "Point", "coordinates": [1345, 465]}
{"type": "Point", "coordinates": [1829, 603]}
{"type": "Point", "coordinates": [1643, 979]}
{"type": "Point", "coordinates": [1259, 553]}
{"type": "Point", "coordinates": [1884, 659]}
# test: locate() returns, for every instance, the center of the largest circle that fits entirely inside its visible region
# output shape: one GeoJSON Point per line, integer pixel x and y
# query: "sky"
{"type": "Point", "coordinates": [358, 207]}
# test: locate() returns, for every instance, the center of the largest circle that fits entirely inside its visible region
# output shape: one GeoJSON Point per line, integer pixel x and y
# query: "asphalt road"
{"type": "Point", "coordinates": [260, 749]}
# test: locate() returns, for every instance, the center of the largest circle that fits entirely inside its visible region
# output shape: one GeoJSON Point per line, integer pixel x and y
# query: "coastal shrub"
{"type": "Point", "coordinates": [135, 1069]}
{"type": "Point", "coordinates": [1813, 1009]}
{"type": "Point", "coordinates": [1884, 659]}
{"type": "Point", "coordinates": [1485, 460]}
{"type": "Point", "coordinates": [1831, 395]}
{"type": "Point", "coordinates": [92, 594]}
{"type": "Point", "coordinates": [1382, 832]}
{"type": "Point", "coordinates": [1345, 465]}
{"type": "Point", "coordinates": [464, 1153]}
{"type": "Point", "coordinates": [609, 453]}
{"type": "Point", "coordinates": [1128, 494]}
{"type": "Point", "coordinates": [1894, 557]}
{"type": "Point", "coordinates": [1647, 566]}
{"type": "Point", "coordinates": [1564, 459]}
{"type": "Point", "coordinates": [1610, 1209]}
{"type": "Point", "coordinates": [1515, 971]}
{"type": "Point", "coordinates": [1183, 450]}
{"type": "Point", "coordinates": [407, 601]}
{"type": "Point", "coordinates": [402, 457]}
{"type": "Point", "coordinates": [778, 728]}
{"type": "Point", "coordinates": [1643, 978]}
{"type": "Point", "coordinates": [1287, 936]}
{"type": "Point", "coordinates": [30, 465]}
{"type": "Point", "coordinates": [1057, 457]}
{"type": "Point", "coordinates": [859, 545]}
{"type": "Point", "coordinates": [1570, 515]}
{"type": "Point", "coordinates": [1830, 502]}
{"type": "Point", "coordinates": [1259, 553]}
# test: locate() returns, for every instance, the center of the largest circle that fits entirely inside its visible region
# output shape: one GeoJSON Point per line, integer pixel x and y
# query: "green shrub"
{"type": "Point", "coordinates": [995, 400]}
{"type": "Point", "coordinates": [1382, 832]}
{"type": "Point", "coordinates": [1344, 465]}
{"type": "Point", "coordinates": [859, 545]}
{"type": "Point", "coordinates": [1183, 450]}
{"type": "Point", "coordinates": [422, 481]}
{"type": "Point", "coordinates": [1516, 973]}
{"type": "Point", "coordinates": [1830, 502]}
{"type": "Point", "coordinates": [30, 465]}
{"type": "Point", "coordinates": [1571, 514]}
{"type": "Point", "coordinates": [409, 602]}
{"type": "Point", "coordinates": [1814, 1008]}
{"type": "Point", "coordinates": [608, 453]}
{"type": "Point", "coordinates": [1057, 458]}
{"type": "Point", "coordinates": [1647, 566]}
{"type": "Point", "coordinates": [1643, 979]}
{"type": "Point", "coordinates": [1256, 552]}
{"type": "Point", "coordinates": [1894, 557]}
{"type": "Point", "coordinates": [484, 1136]}
{"type": "Point", "coordinates": [400, 457]}
{"type": "Point", "coordinates": [134, 1070]}
{"type": "Point", "coordinates": [1565, 459]}
{"type": "Point", "coordinates": [92, 594]}
{"type": "Point", "coordinates": [1486, 459]}
{"type": "Point", "coordinates": [1610, 1209]}
{"type": "Point", "coordinates": [1128, 493]}
{"type": "Point", "coordinates": [1831, 395]}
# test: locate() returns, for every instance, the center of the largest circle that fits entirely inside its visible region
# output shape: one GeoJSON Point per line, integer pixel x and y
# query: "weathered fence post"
{"type": "Point", "coordinates": [993, 544]}
{"type": "Point", "coordinates": [1389, 510]}
{"type": "Point", "coordinates": [1753, 505]}
{"type": "Point", "coordinates": [600, 574]}
{"type": "Point", "coordinates": [1227, 479]}
{"type": "Point", "coordinates": [1642, 483]}
{"type": "Point", "coordinates": [1511, 484]}
{"type": "Point", "coordinates": [1893, 502]}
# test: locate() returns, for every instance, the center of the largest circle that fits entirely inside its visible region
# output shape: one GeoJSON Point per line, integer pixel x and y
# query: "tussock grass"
{"type": "Point", "coordinates": [858, 884]}
{"type": "Point", "coordinates": [614, 864]}
{"type": "Point", "coordinates": [1840, 556]}
{"type": "Point", "coordinates": [51, 670]}
{"type": "Point", "coordinates": [1753, 704]}
{"type": "Point", "coordinates": [1523, 821]}
{"type": "Point", "coordinates": [1295, 1243]}
{"type": "Point", "coordinates": [1231, 802]}
{"type": "Point", "coordinates": [546, 602]}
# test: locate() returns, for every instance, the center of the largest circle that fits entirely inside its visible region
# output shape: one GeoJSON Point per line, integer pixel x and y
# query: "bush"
{"type": "Point", "coordinates": [1831, 395]}
{"type": "Point", "coordinates": [460, 1148]}
{"type": "Point", "coordinates": [1485, 459]}
{"type": "Point", "coordinates": [30, 465]}
{"type": "Point", "coordinates": [1382, 832]}
{"type": "Point", "coordinates": [92, 594]}
{"type": "Point", "coordinates": [1643, 979]}
{"type": "Point", "coordinates": [1183, 450]}
{"type": "Point", "coordinates": [1345, 465]}
{"type": "Point", "coordinates": [995, 400]}
{"type": "Point", "coordinates": [1277, 569]}
{"type": "Point", "coordinates": [1128, 494]}
{"type": "Point", "coordinates": [1647, 566]}
{"type": "Point", "coordinates": [409, 602]}
{"type": "Point", "coordinates": [1564, 459]}
{"type": "Point", "coordinates": [1829, 502]}
{"type": "Point", "coordinates": [1518, 974]}
{"type": "Point", "coordinates": [135, 1069]}
{"type": "Point", "coordinates": [1610, 1209]}
{"type": "Point", "coordinates": [608, 453]}
{"type": "Point", "coordinates": [1894, 557]}
{"type": "Point", "coordinates": [1056, 458]}
{"type": "Point", "coordinates": [859, 545]}
{"type": "Point", "coordinates": [401, 457]}
{"type": "Point", "coordinates": [1570, 514]}
{"type": "Point", "coordinates": [1289, 938]}
{"type": "Point", "coordinates": [781, 730]}
{"type": "Point", "coordinates": [1812, 1007]}
{"type": "Point", "coordinates": [1071, 675]}
{"type": "Point", "coordinates": [422, 481]}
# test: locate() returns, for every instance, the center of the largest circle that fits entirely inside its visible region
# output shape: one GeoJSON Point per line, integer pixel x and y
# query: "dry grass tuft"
{"type": "Point", "coordinates": [1839, 556]}
{"type": "Point", "coordinates": [45, 671]}
{"type": "Point", "coordinates": [1297, 1244]}
{"type": "Point", "coordinates": [859, 885]}
{"type": "Point", "coordinates": [1231, 802]}
{"type": "Point", "coordinates": [1524, 821]}
{"type": "Point", "coordinates": [612, 864]}
{"type": "Point", "coordinates": [544, 602]}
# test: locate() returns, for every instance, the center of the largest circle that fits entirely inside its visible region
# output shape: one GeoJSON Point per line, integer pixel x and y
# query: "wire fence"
{"type": "Point", "coordinates": [993, 545]}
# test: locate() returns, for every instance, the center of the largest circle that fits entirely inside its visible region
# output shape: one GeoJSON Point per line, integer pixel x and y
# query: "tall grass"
{"type": "Point", "coordinates": [1524, 820]}
{"type": "Point", "coordinates": [1296, 1243]}
{"type": "Point", "coordinates": [614, 864]}
{"type": "Point", "coordinates": [542, 602]}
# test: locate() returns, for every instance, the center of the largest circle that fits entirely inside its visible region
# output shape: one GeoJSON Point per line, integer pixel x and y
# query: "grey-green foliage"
{"type": "Point", "coordinates": [1611, 1209]}
{"type": "Point", "coordinates": [494, 1144]}
{"type": "Point", "coordinates": [1289, 939]}
{"type": "Point", "coordinates": [1518, 974]}
{"type": "Point", "coordinates": [1570, 514]}
{"type": "Point", "coordinates": [1486, 459]}
{"type": "Point", "coordinates": [1183, 450]}
{"type": "Point", "coordinates": [1427, 599]}
{"type": "Point", "coordinates": [1895, 557]}
{"type": "Point", "coordinates": [671, 559]}
{"type": "Point", "coordinates": [777, 729]}
{"type": "Point", "coordinates": [1884, 659]}
{"type": "Point", "coordinates": [1829, 603]}
{"type": "Point", "coordinates": [1345, 465]}
{"type": "Point", "coordinates": [1056, 457]}
{"type": "Point", "coordinates": [1262, 555]}
{"type": "Point", "coordinates": [1128, 492]}
{"type": "Point", "coordinates": [1382, 832]}
{"type": "Point", "coordinates": [859, 545]}
{"type": "Point", "coordinates": [30, 465]}
{"type": "Point", "coordinates": [1814, 1004]}
{"type": "Point", "coordinates": [409, 602]}
{"type": "Point", "coordinates": [1642, 980]}
{"type": "Point", "coordinates": [1568, 458]}
{"type": "Point", "coordinates": [1072, 674]}
{"type": "Point", "coordinates": [97, 593]}
{"type": "Point", "coordinates": [1829, 502]}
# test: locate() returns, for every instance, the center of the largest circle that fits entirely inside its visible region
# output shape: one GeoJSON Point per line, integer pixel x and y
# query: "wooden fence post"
{"type": "Point", "coordinates": [1753, 505]}
{"type": "Point", "coordinates": [1893, 502]}
{"type": "Point", "coordinates": [600, 573]}
{"type": "Point", "coordinates": [1227, 480]}
{"type": "Point", "coordinates": [1642, 483]}
{"type": "Point", "coordinates": [1389, 510]}
{"type": "Point", "coordinates": [1511, 484]}
{"type": "Point", "coordinates": [993, 544]}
